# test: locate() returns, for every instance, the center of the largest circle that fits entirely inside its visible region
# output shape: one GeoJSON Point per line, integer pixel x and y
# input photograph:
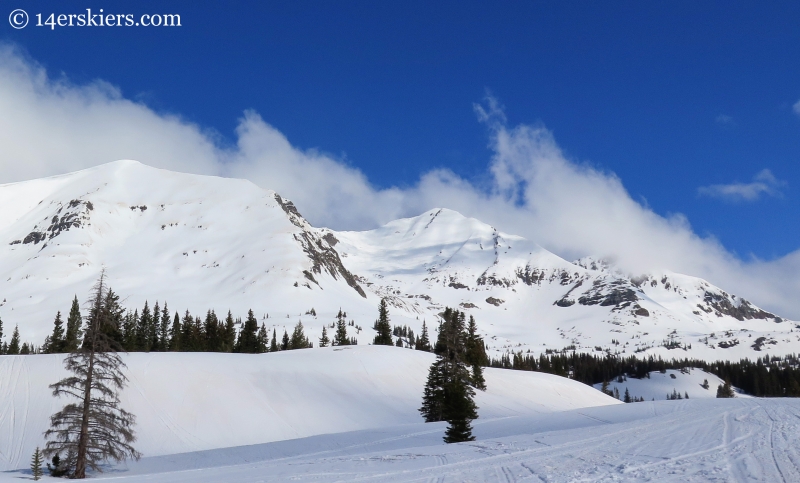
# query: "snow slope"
{"type": "Point", "coordinates": [658, 386]}
{"type": "Point", "coordinates": [198, 401]}
{"type": "Point", "coordinates": [201, 242]}
{"type": "Point", "coordinates": [666, 441]}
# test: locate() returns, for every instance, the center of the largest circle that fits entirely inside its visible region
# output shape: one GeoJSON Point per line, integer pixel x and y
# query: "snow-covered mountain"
{"type": "Point", "coordinates": [202, 243]}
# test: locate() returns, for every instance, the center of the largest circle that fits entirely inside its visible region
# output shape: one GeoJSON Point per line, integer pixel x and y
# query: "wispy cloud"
{"type": "Point", "coordinates": [764, 183]}
{"type": "Point", "coordinates": [796, 108]}
{"type": "Point", "coordinates": [532, 189]}
{"type": "Point", "coordinates": [725, 120]}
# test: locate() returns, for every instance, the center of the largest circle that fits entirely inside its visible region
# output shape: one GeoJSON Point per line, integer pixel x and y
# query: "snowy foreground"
{"type": "Point", "coordinates": [350, 415]}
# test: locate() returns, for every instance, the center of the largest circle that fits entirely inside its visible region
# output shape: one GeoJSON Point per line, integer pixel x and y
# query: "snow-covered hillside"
{"type": "Point", "coordinates": [204, 243]}
{"type": "Point", "coordinates": [199, 401]}
{"type": "Point", "coordinates": [697, 383]}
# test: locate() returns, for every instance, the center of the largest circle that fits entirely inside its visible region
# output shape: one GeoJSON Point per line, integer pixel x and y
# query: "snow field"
{"type": "Point", "coordinates": [660, 385]}
{"type": "Point", "coordinates": [186, 402]}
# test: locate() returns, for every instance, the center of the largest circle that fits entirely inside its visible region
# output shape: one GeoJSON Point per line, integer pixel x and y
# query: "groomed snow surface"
{"type": "Point", "coordinates": [350, 414]}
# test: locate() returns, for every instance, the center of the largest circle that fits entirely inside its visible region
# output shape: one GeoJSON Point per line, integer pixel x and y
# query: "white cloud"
{"type": "Point", "coordinates": [796, 107]}
{"type": "Point", "coordinates": [725, 120]}
{"type": "Point", "coordinates": [764, 183]}
{"type": "Point", "coordinates": [50, 127]}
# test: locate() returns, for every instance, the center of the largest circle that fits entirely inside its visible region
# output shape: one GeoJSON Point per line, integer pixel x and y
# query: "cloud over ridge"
{"type": "Point", "coordinates": [50, 126]}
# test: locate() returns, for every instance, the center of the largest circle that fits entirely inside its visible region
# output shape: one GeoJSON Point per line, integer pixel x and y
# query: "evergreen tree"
{"type": "Point", "coordinates": [26, 349]}
{"type": "Point", "coordinates": [129, 332]}
{"type": "Point", "coordinates": [627, 397]}
{"type": "Point", "coordinates": [73, 336]}
{"type": "Point", "coordinates": [94, 428]}
{"type": "Point", "coordinates": [476, 356]}
{"type": "Point", "coordinates": [175, 334]}
{"type": "Point", "coordinates": [324, 340]}
{"type": "Point", "coordinates": [274, 345]}
{"type": "Point", "coordinates": [57, 342]}
{"type": "Point", "coordinates": [59, 467]}
{"type": "Point", "coordinates": [248, 336]}
{"type": "Point", "coordinates": [285, 341]}
{"type": "Point", "coordinates": [213, 342]}
{"type": "Point", "coordinates": [340, 337]}
{"type": "Point", "coordinates": [163, 335]}
{"type": "Point", "coordinates": [1, 336]}
{"type": "Point", "coordinates": [423, 342]}
{"type": "Point", "coordinates": [155, 329]}
{"type": "Point", "coordinates": [448, 394]}
{"type": "Point", "coordinates": [145, 326]}
{"type": "Point", "coordinates": [36, 464]}
{"type": "Point", "coordinates": [298, 339]}
{"type": "Point", "coordinates": [229, 334]}
{"type": "Point", "coordinates": [187, 333]}
{"type": "Point", "coordinates": [13, 346]}
{"type": "Point", "coordinates": [382, 326]}
{"type": "Point", "coordinates": [725, 390]}
{"type": "Point", "coordinates": [262, 339]}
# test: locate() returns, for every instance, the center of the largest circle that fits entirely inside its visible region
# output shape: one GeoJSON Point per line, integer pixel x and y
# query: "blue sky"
{"type": "Point", "coordinates": [669, 96]}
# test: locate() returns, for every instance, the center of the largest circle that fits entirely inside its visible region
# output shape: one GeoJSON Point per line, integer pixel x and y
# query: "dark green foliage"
{"type": "Point", "coordinates": [423, 342]}
{"type": "Point", "coordinates": [229, 334]}
{"type": "Point", "coordinates": [273, 347]}
{"type": "Point", "coordinates": [1, 336]}
{"type": "Point", "coordinates": [298, 339]}
{"type": "Point", "coordinates": [36, 464]}
{"type": "Point", "coordinates": [73, 336]}
{"type": "Point", "coordinates": [188, 332]}
{"type": "Point", "coordinates": [175, 334]}
{"type": "Point", "coordinates": [248, 336]}
{"type": "Point", "coordinates": [725, 390]}
{"type": "Point", "coordinates": [143, 342]}
{"type": "Point", "coordinates": [164, 342]}
{"type": "Point", "coordinates": [448, 393]}
{"type": "Point", "coordinates": [13, 346]}
{"type": "Point", "coordinates": [26, 349]}
{"type": "Point", "coordinates": [262, 339]}
{"type": "Point", "coordinates": [382, 326]}
{"type": "Point", "coordinates": [57, 342]}
{"type": "Point", "coordinates": [340, 337]}
{"type": "Point", "coordinates": [627, 397]}
{"type": "Point", "coordinates": [324, 340]}
{"type": "Point", "coordinates": [60, 467]}
{"type": "Point", "coordinates": [285, 341]}
{"type": "Point", "coordinates": [475, 355]}
{"type": "Point", "coordinates": [212, 333]}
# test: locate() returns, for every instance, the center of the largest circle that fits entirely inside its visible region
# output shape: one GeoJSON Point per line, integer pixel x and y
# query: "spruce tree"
{"type": "Point", "coordinates": [155, 332]}
{"type": "Point", "coordinates": [476, 356]}
{"type": "Point", "coordinates": [213, 342]}
{"type": "Point", "coordinates": [13, 346]}
{"type": "Point", "coordinates": [175, 334]}
{"type": "Point", "coordinates": [93, 429]}
{"type": "Point", "coordinates": [187, 333]}
{"type": "Point", "coordinates": [382, 326]}
{"type": "Point", "coordinates": [298, 340]}
{"type": "Point", "coordinates": [262, 339]}
{"type": "Point", "coordinates": [163, 336]}
{"type": "Point", "coordinates": [248, 336]}
{"type": "Point", "coordinates": [324, 340]}
{"type": "Point", "coordinates": [129, 332]}
{"type": "Point", "coordinates": [285, 341]}
{"type": "Point", "coordinates": [448, 393]}
{"type": "Point", "coordinates": [423, 341]}
{"type": "Point", "coordinates": [59, 467]}
{"type": "Point", "coordinates": [725, 390]}
{"type": "Point", "coordinates": [229, 334]}
{"type": "Point", "coordinates": [73, 336]}
{"type": "Point", "coordinates": [273, 347]}
{"type": "Point", "coordinates": [340, 337]}
{"type": "Point", "coordinates": [57, 341]}
{"type": "Point", "coordinates": [627, 397]}
{"type": "Point", "coordinates": [36, 464]}
{"type": "Point", "coordinates": [145, 326]}
{"type": "Point", "coordinates": [1, 336]}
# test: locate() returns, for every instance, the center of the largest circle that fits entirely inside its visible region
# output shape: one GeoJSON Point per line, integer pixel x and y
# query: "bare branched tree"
{"type": "Point", "coordinates": [93, 429]}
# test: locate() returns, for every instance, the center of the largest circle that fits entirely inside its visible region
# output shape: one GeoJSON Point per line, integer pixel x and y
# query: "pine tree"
{"type": "Point", "coordinates": [36, 464]}
{"type": "Point", "coordinates": [213, 342]}
{"type": "Point", "coordinates": [423, 341]}
{"type": "Point", "coordinates": [262, 339]}
{"type": "Point", "coordinates": [298, 339]}
{"type": "Point", "coordinates": [340, 337]}
{"type": "Point", "coordinates": [448, 394]}
{"type": "Point", "coordinates": [229, 334]}
{"type": "Point", "coordinates": [155, 333]}
{"type": "Point", "coordinates": [56, 343]}
{"type": "Point", "coordinates": [627, 397]}
{"type": "Point", "coordinates": [13, 346]}
{"type": "Point", "coordinates": [248, 336]}
{"type": "Point", "coordinates": [382, 326]}
{"type": "Point", "coordinates": [476, 356]}
{"type": "Point", "coordinates": [163, 333]}
{"type": "Point", "coordinates": [145, 326]}
{"type": "Point", "coordinates": [60, 467]}
{"type": "Point", "coordinates": [324, 340]}
{"type": "Point", "coordinates": [94, 429]}
{"type": "Point", "coordinates": [725, 390]}
{"type": "Point", "coordinates": [1, 336]}
{"type": "Point", "coordinates": [73, 336]}
{"type": "Point", "coordinates": [175, 334]}
{"type": "Point", "coordinates": [285, 341]}
{"type": "Point", "coordinates": [274, 345]}
{"type": "Point", "coordinates": [187, 333]}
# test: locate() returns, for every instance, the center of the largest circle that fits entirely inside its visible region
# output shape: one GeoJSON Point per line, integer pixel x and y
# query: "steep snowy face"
{"type": "Point", "coordinates": [197, 242]}
{"type": "Point", "coordinates": [200, 242]}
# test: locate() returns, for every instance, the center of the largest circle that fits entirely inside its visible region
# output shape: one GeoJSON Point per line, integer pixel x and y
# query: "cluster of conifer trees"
{"type": "Point", "coordinates": [765, 377]}
{"type": "Point", "coordinates": [454, 376]}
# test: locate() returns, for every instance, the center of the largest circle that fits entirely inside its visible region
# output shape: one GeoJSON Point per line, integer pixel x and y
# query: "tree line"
{"type": "Point", "coordinates": [768, 376]}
